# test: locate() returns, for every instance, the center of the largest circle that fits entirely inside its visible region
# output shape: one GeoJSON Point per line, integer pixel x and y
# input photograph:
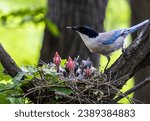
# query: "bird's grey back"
{"type": "Point", "coordinates": [107, 38]}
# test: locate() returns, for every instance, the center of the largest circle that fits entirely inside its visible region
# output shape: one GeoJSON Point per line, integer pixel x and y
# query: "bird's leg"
{"type": "Point", "coordinates": [125, 54]}
{"type": "Point", "coordinates": [124, 49]}
{"type": "Point", "coordinates": [108, 58]}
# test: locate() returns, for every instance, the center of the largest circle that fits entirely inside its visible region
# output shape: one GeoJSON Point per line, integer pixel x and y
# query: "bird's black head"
{"type": "Point", "coordinates": [85, 30]}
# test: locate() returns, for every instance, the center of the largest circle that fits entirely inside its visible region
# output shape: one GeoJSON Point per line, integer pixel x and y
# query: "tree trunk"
{"type": "Point", "coordinates": [67, 13]}
{"type": "Point", "coordinates": [140, 10]}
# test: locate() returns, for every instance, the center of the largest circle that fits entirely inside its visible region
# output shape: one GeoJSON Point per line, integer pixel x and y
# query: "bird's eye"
{"type": "Point", "coordinates": [81, 29]}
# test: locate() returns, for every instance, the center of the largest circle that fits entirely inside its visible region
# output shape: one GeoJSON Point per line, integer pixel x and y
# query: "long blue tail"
{"type": "Point", "coordinates": [136, 27]}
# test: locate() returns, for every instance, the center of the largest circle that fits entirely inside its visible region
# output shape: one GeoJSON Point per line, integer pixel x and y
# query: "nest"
{"type": "Point", "coordinates": [95, 90]}
{"type": "Point", "coordinates": [48, 86]}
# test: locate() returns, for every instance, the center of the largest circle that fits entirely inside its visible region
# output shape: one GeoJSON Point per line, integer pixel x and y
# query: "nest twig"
{"type": "Point", "coordinates": [93, 90]}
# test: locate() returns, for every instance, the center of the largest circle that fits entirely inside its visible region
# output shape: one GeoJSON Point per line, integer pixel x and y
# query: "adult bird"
{"type": "Point", "coordinates": [107, 42]}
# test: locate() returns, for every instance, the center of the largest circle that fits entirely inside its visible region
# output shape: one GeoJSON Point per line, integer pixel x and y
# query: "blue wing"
{"type": "Point", "coordinates": [110, 37]}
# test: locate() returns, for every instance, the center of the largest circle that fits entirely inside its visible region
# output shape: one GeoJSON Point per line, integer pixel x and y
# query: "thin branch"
{"type": "Point", "coordinates": [135, 88]}
{"type": "Point", "coordinates": [71, 97]}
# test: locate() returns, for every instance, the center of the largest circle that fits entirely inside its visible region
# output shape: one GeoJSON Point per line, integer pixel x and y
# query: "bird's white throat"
{"type": "Point", "coordinates": [88, 41]}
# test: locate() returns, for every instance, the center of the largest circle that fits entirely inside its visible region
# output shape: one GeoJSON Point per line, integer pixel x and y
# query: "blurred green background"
{"type": "Point", "coordinates": [21, 33]}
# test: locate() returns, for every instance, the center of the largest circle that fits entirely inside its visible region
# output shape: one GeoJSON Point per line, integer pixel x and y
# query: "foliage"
{"type": "Point", "coordinates": [42, 77]}
{"type": "Point", "coordinates": [19, 17]}
{"type": "Point", "coordinates": [52, 27]}
{"type": "Point", "coordinates": [10, 90]}
{"type": "Point", "coordinates": [27, 37]}
{"type": "Point", "coordinates": [16, 37]}
{"type": "Point", "coordinates": [11, 93]}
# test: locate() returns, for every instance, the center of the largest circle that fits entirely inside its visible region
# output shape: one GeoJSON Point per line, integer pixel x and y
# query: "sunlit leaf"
{"type": "Point", "coordinates": [4, 98]}
{"type": "Point", "coordinates": [63, 61]}
{"type": "Point", "coordinates": [18, 77]}
{"type": "Point", "coordinates": [16, 100]}
{"type": "Point", "coordinates": [52, 27]}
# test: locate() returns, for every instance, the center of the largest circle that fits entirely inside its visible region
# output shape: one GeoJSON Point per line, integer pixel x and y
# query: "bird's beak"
{"type": "Point", "coordinates": [71, 27]}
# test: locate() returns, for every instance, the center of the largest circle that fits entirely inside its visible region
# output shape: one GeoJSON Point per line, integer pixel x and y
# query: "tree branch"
{"type": "Point", "coordinates": [138, 56]}
{"type": "Point", "coordinates": [8, 63]}
{"type": "Point", "coordinates": [138, 86]}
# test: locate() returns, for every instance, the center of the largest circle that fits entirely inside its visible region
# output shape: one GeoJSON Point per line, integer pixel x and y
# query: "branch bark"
{"type": "Point", "coordinates": [138, 56]}
{"type": "Point", "coordinates": [8, 63]}
{"type": "Point", "coordinates": [136, 17]}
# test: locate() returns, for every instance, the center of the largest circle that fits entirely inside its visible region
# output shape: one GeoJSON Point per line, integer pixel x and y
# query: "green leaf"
{"type": "Point", "coordinates": [2, 86]}
{"type": "Point", "coordinates": [16, 100]}
{"type": "Point", "coordinates": [3, 76]}
{"type": "Point", "coordinates": [4, 98]}
{"type": "Point", "coordinates": [18, 77]}
{"type": "Point", "coordinates": [52, 27]}
{"type": "Point", "coordinates": [63, 61]}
